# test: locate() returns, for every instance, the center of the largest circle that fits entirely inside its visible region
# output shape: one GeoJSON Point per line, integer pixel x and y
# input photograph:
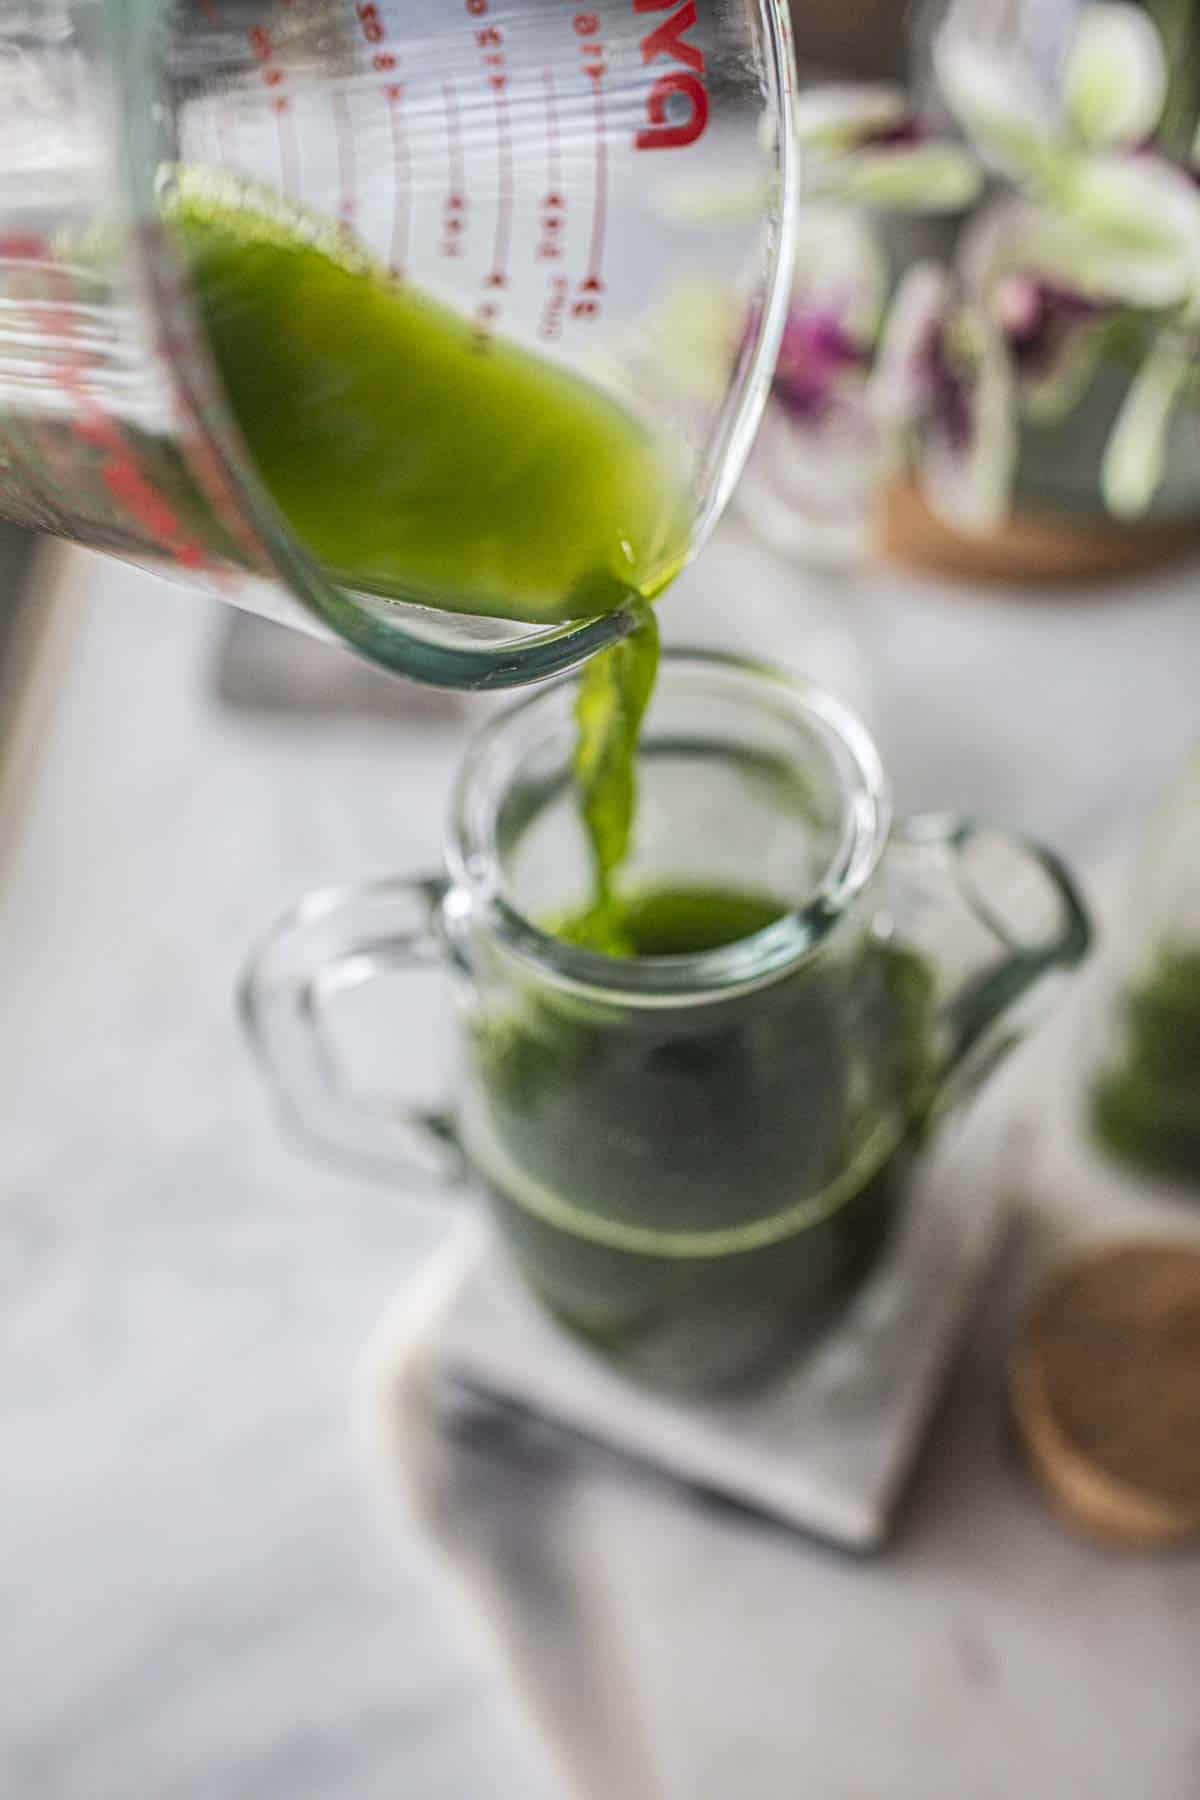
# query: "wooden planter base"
{"type": "Point", "coordinates": [1031, 547]}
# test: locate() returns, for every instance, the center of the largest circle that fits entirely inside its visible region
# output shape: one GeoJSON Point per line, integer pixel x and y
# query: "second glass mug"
{"type": "Point", "coordinates": [505, 165]}
{"type": "Point", "coordinates": [694, 1158]}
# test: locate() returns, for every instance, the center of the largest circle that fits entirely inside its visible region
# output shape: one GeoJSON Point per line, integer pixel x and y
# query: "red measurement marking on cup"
{"type": "Point", "coordinates": [24, 246]}
{"type": "Point", "coordinates": [343, 135]}
{"type": "Point", "coordinates": [384, 61]}
{"type": "Point", "coordinates": [493, 54]}
{"type": "Point", "coordinates": [182, 343]}
{"type": "Point", "coordinates": [211, 13]}
{"type": "Point", "coordinates": [586, 304]}
{"type": "Point", "coordinates": [125, 480]}
{"type": "Point", "coordinates": [454, 206]}
{"type": "Point", "coordinates": [497, 276]}
{"type": "Point", "coordinates": [551, 322]}
{"type": "Point", "coordinates": [552, 212]}
{"type": "Point", "coordinates": [401, 206]}
{"type": "Point", "coordinates": [274, 81]}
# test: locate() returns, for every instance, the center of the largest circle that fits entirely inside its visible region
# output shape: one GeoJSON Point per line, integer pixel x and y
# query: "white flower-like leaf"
{"type": "Point", "coordinates": [1012, 237]}
{"type": "Point", "coordinates": [1048, 394]}
{"type": "Point", "coordinates": [997, 101]}
{"type": "Point", "coordinates": [1125, 233]}
{"type": "Point", "coordinates": [1133, 225]}
{"type": "Point", "coordinates": [970, 485]}
{"type": "Point", "coordinates": [1115, 78]}
{"type": "Point", "coordinates": [996, 243]}
{"type": "Point", "coordinates": [919, 306]}
{"type": "Point", "coordinates": [919, 178]}
{"type": "Point", "coordinates": [1135, 455]}
{"type": "Point", "coordinates": [840, 267]}
{"type": "Point", "coordinates": [833, 115]}
{"type": "Point", "coordinates": [1009, 252]}
{"type": "Point", "coordinates": [812, 492]}
{"type": "Point", "coordinates": [1066, 251]}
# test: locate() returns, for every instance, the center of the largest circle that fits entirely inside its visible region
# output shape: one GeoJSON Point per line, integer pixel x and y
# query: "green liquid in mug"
{"type": "Point", "coordinates": [694, 1188]}
{"type": "Point", "coordinates": [412, 457]}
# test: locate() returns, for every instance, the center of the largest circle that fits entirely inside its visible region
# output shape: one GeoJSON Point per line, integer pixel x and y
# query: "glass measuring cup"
{"type": "Point", "coordinates": [508, 159]}
{"type": "Point", "coordinates": [693, 1155]}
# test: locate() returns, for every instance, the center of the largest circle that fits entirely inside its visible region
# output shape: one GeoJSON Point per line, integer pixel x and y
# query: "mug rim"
{"type": "Point", "coordinates": [473, 860]}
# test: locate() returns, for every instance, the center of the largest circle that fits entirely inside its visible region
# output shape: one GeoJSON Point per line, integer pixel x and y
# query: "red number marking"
{"type": "Point", "coordinates": [491, 43]}
{"type": "Point", "coordinates": [343, 131]}
{"type": "Point", "coordinates": [550, 324]}
{"type": "Point", "coordinates": [595, 65]}
{"type": "Point", "coordinates": [401, 207]}
{"type": "Point", "coordinates": [454, 206]}
{"type": "Point", "coordinates": [370, 22]}
{"type": "Point", "coordinates": [274, 79]}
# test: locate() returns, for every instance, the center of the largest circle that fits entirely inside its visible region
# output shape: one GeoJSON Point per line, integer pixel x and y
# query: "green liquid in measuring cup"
{"type": "Point", "coordinates": [416, 461]}
{"type": "Point", "coordinates": [411, 457]}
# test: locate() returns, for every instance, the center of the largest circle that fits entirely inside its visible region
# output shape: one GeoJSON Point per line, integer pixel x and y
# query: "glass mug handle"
{"type": "Point", "coordinates": [336, 940]}
{"type": "Point", "coordinates": [1025, 923]}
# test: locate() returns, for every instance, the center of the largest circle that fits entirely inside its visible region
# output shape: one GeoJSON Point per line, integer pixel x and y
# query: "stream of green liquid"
{"type": "Point", "coordinates": [614, 692]}
{"type": "Point", "coordinates": [417, 460]}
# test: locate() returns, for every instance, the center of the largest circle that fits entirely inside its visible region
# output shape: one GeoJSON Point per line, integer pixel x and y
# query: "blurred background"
{"type": "Point", "coordinates": [972, 513]}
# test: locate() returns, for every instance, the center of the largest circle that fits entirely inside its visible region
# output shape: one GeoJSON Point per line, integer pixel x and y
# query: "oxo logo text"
{"type": "Point", "coordinates": [667, 40]}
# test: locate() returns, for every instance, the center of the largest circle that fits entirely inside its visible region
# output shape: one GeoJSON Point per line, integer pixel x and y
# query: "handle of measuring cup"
{"type": "Point", "coordinates": [335, 941]}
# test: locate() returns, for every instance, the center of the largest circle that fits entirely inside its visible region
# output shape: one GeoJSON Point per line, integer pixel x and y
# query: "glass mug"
{"type": "Point", "coordinates": [696, 1153]}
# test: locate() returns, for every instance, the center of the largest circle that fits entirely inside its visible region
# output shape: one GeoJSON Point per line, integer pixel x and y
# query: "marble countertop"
{"type": "Point", "coordinates": [202, 1602]}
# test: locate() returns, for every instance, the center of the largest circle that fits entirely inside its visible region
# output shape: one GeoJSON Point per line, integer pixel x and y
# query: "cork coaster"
{"type": "Point", "coordinates": [1105, 1383]}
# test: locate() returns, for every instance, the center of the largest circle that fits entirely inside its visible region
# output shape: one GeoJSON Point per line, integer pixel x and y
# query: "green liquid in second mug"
{"type": "Point", "coordinates": [693, 1188]}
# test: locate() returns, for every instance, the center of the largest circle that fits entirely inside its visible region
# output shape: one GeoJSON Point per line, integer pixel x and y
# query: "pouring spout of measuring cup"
{"type": "Point", "coordinates": [372, 324]}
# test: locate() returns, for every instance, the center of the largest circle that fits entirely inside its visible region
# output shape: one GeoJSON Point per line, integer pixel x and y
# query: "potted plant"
{"type": "Point", "coordinates": [991, 356]}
